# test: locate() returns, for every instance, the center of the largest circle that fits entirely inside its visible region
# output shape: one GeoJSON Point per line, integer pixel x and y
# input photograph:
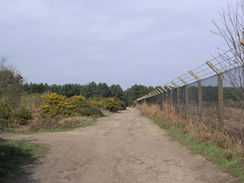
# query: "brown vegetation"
{"type": "Point", "coordinates": [204, 132]}
{"type": "Point", "coordinates": [52, 123]}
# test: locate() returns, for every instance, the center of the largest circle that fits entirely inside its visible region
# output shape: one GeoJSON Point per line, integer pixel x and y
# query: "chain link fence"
{"type": "Point", "coordinates": [212, 92]}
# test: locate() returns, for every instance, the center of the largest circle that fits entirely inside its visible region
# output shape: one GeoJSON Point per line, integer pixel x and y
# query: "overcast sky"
{"type": "Point", "coordinates": [122, 42]}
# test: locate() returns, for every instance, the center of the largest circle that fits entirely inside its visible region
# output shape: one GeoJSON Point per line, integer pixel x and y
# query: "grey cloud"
{"type": "Point", "coordinates": [125, 42]}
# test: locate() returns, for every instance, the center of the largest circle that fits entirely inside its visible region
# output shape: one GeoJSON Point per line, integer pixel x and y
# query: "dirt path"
{"type": "Point", "coordinates": [123, 148]}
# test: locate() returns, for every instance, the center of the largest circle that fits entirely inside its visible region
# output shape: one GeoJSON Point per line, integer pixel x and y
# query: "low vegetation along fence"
{"type": "Point", "coordinates": [212, 93]}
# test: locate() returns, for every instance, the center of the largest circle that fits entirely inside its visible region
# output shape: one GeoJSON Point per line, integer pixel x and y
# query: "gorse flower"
{"type": "Point", "coordinates": [58, 105]}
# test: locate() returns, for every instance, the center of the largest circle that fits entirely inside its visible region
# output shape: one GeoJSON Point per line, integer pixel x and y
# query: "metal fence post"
{"type": "Point", "coordinates": [158, 97]}
{"type": "Point", "coordinates": [165, 94]}
{"type": "Point", "coordinates": [221, 98]}
{"type": "Point", "coordinates": [199, 92]}
{"type": "Point", "coordinates": [170, 95]}
{"type": "Point", "coordinates": [177, 88]}
{"type": "Point", "coordinates": [178, 97]}
{"type": "Point", "coordinates": [160, 101]}
{"type": "Point", "coordinates": [186, 96]}
{"type": "Point", "coordinates": [220, 92]}
{"type": "Point", "coordinates": [161, 96]}
{"type": "Point", "coordinates": [187, 100]}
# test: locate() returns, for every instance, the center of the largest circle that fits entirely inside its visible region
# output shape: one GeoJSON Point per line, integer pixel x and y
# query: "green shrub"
{"type": "Point", "coordinates": [5, 114]}
{"type": "Point", "coordinates": [22, 116]}
{"type": "Point", "coordinates": [112, 104]}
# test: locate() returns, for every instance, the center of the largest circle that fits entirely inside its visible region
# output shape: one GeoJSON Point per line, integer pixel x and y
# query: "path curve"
{"type": "Point", "coordinates": [123, 148]}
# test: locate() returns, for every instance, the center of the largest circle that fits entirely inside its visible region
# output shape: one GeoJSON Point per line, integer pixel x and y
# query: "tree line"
{"type": "Point", "coordinates": [12, 86]}
{"type": "Point", "coordinates": [90, 90]}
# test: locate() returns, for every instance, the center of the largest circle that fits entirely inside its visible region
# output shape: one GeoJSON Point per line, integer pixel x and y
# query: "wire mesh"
{"type": "Point", "coordinates": [210, 99]}
{"type": "Point", "coordinates": [193, 98]}
{"type": "Point", "coordinates": [174, 96]}
{"type": "Point", "coordinates": [233, 83]}
{"type": "Point", "coordinates": [204, 97]}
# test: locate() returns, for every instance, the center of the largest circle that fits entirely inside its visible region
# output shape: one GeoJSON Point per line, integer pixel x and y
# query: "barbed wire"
{"type": "Point", "coordinates": [204, 71]}
{"type": "Point", "coordinates": [224, 61]}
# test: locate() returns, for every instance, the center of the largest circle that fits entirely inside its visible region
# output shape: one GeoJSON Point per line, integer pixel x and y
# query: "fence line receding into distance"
{"type": "Point", "coordinates": [213, 92]}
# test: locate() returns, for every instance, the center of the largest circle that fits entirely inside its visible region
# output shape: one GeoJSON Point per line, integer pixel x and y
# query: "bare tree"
{"type": "Point", "coordinates": [230, 28]}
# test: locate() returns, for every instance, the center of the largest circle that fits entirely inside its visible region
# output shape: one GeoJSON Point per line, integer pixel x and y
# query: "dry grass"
{"type": "Point", "coordinates": [205, 132]}
{"type": "Point", "coordinates": [52, 123]}
{"type": "Point", "coordinates": [200, 135]}
{"type": "Point", "coordinates": [234, 114]}
{"type": "Point", "coordinates": [234, 117]}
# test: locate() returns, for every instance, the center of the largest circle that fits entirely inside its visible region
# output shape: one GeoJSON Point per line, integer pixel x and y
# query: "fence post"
{"type": "Point", "coordinates": [170, 95]}
{"type": "Point", "coordinates": [160, 101]}
{"type": "Point", "coordinates": [186, 96]}
{"type": "Point", "coordinates": [153, 97]}
{"type": "Point", "coordinates": [166, 94]}
{"type": "Point", "coordinates": [177, 95]}
{"type": "Point", "coordinates": [158, 97]}
{"type": "Point", "coordinates": [161, 98]}
{"type": "Point", "coordinates": [187, 100]}
{"type": "Point", "coordinates": [220, 92]}
{"type": "Point", "coordinates": [199, 92]}
{"type": "Point", "coordinates": [221, 98]}
{"type": "Point", "coordinates": [150, 98]}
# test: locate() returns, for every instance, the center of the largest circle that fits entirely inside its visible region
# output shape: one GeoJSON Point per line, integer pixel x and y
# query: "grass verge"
{"type": "Point", "coordinates": [62, 128]}
{"type": "Point", "coordinates": [14, 155]}
{"type": "Point", "coordinates": [83, 124]}
{"type": "Point", "coordinates": [234, 164]}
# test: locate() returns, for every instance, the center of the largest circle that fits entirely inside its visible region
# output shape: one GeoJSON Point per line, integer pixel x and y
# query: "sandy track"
{"type": "Point", "coordinates": [123, 148]}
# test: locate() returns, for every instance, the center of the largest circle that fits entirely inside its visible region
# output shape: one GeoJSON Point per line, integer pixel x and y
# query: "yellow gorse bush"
{"type": "Point", "coordinates": [96, 102]}
{"type": "Point", "coordinates": [112, 104]}
{"type": "Point", "coordinates": [58, 105]}
{"type": "Point", "coordinates": [55, 105]}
